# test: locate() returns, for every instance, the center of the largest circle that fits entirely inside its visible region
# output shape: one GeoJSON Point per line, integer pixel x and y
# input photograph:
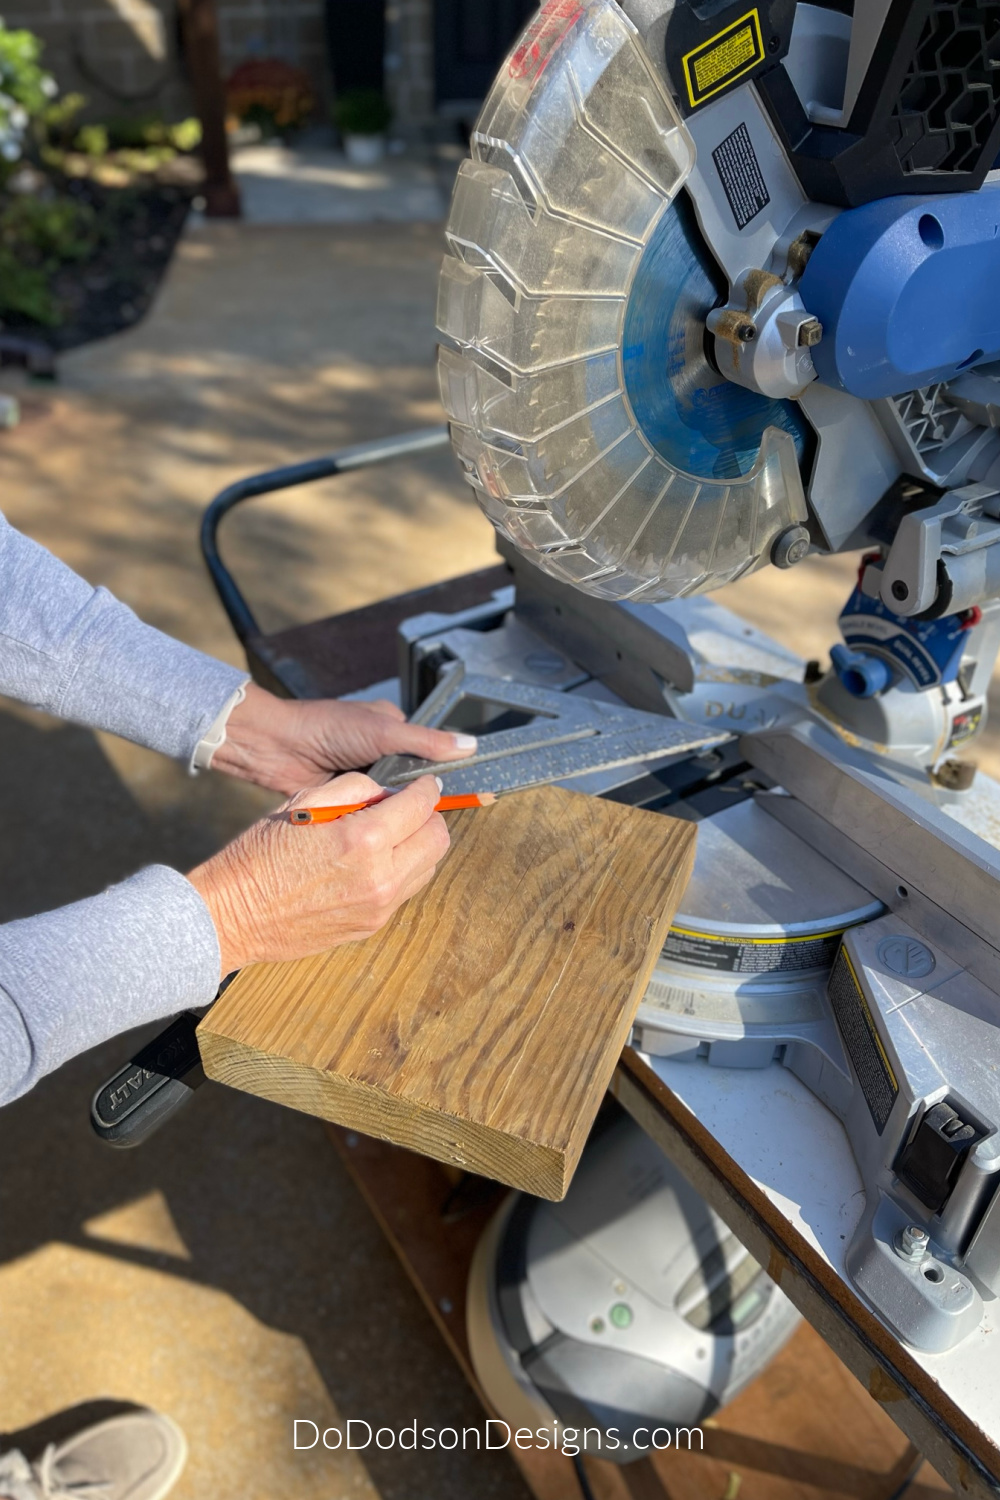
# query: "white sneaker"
{"type": "Point", "coordinates": [137, 1456]}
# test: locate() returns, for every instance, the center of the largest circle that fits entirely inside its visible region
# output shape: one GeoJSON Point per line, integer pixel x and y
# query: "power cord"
{"type": "Point", "coordinates": [904, 1485]}
{"type": "Point", "coordinates": [581, 1478]}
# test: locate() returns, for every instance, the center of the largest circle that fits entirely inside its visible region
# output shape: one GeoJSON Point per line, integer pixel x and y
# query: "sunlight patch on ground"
{"type": "Point", "coordinates": [124, 1332]}
{"type": "Point", "coordinates": [146, 1224]}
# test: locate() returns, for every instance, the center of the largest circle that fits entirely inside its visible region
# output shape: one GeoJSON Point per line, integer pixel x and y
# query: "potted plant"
{"type": "Point", "coordinates": [362, 117]}
{"type": "Point", "coordinates": [270, 95]}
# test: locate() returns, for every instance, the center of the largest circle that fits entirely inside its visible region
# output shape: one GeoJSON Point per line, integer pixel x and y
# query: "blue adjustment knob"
{"type": "Point", "coordinates": [862, 676]}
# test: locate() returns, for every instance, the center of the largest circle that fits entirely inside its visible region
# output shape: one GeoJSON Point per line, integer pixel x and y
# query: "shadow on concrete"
{"type": "Point", "coordinates": [63, 1424]}
{"type": "Point", "coordinates": [71, 826]}
{"type": "Point", "coordinates": [268, 1217]}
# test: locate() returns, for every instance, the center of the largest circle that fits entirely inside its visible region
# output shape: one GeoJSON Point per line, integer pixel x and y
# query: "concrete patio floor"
{"type": "Point", "coordinates": [228, 1273]}
{"type": "Point", "coordinates": [311, 183]}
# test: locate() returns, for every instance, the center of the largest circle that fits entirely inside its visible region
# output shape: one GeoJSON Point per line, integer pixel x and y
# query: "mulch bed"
{"type": "Point", "coordinates": [113, 289]}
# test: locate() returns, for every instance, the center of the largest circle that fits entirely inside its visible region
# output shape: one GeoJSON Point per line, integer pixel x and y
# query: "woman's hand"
{"type": "Point", "coordinates": [283, 891]}
{"type": "Point", "coordinates": [286, 745]}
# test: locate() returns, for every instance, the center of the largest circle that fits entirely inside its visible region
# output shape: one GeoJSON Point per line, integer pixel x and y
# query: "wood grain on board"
{"type": "Point", "coordinates": [482, 1025]}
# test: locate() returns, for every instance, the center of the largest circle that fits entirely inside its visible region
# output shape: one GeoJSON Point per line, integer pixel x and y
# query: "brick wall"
{"type": "Point", "coordinates": [290, 29]}
{"type": "Point", "coordinates": [123, 54]}
{"type": "Point", "coordinates": [409, 67]}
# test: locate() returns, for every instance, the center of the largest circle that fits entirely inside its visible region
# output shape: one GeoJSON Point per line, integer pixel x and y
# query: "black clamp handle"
{"type": "Point", "coordinates": [159, 1080]}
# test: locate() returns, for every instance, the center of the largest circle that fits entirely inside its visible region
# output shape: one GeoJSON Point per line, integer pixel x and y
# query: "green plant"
{"type": "Point", "coordinates": [148, 159]}
{"type": "Point", "coordinates": [37, 236]}
{"type": "Point", "coordinates": [92, 140]}
{"type": "Point", "coordinates": [58, 119]}
{"type": "Point", "coordinates": [260, 115]}
{"type": "Point", "coordinates": [26, 90]}
{"type": "Point", "coordinates": [56, 228]}
{"type": "Point", "coordinates": [139, 132]}
{"type": "Point", "coordinates": [146, 138]}
{"type": "Point", "coordinates": [25, 290]}
{"type": "Point", "coordinates": [134, 132]}
{"type": "Point", "coordinates": [185, 135]}
{"type": "Point", "coordinates": [362, 112]}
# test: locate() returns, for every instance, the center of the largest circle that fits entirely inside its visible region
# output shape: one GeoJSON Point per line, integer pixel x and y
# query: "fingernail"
{"type": "Point", "coordinates": [440, 783]}
{"type": "Point", "coordinates": [465, 741]}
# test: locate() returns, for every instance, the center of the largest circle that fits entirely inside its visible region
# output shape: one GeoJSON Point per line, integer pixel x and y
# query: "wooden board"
{"type": "Point", "coordinates": [482, 1025]}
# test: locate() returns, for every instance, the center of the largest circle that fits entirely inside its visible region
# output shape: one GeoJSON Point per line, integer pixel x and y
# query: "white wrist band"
{"type": "Point", "coordinates": [215, 735]}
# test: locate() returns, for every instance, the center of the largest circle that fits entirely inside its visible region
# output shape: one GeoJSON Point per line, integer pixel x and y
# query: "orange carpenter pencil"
{"type": "Point", "coordinates": [303, 815]}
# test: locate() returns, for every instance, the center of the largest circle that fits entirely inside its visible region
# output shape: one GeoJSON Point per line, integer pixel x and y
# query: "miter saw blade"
{"type": "Point", "coordinates": [585, 415]}
{"type": "Point", "coordinates": [701, 423]}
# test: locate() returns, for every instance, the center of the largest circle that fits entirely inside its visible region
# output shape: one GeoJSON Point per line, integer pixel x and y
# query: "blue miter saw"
{"type": "Point", "coordinates": [723, 290]}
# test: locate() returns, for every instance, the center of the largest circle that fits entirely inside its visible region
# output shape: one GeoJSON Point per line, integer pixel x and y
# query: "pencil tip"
{"type": "Point", "coordinates": [485, 798]}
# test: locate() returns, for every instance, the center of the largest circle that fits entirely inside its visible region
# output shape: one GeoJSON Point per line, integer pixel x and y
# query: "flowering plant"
{"type": "Point", "coordinates": [268, 90]}
{"type": "Point", "coordinates": [26, 90]}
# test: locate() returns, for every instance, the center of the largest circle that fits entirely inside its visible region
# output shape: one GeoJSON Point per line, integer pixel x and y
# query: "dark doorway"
{"type": "Point", "coordinates": [471, 38]}
{"type": "Point", "coordinates": [355, 38]}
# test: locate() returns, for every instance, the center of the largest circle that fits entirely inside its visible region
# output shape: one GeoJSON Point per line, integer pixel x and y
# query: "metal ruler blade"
{"type": "Point", "coordinates": [567, 735]}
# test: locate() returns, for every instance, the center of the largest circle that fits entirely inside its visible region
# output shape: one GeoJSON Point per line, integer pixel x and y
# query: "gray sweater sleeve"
{"type": "Point", "coordinates": [71, 978]}
{"type": "Point", "coordinates": [146, 948]}
{"type": "Point", "coordinates": [81, 654]}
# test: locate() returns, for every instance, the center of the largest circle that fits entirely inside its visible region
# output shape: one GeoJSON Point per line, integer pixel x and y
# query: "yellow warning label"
{"type": "Point", "coordinates": [783, 938]}
{"type": "Point", "coordinates": [723, 58]}
{"type": "Point", "coordinates": [739, 954]}
{"type": "Point", "coordinates": [729, 57]}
